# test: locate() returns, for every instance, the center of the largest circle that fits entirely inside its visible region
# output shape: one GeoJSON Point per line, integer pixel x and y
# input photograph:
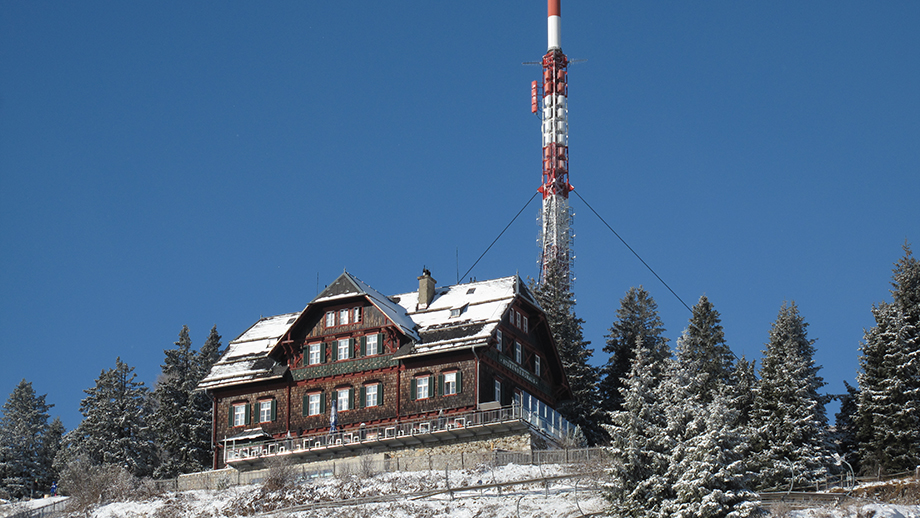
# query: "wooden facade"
{"type": "Point", "coordinates": [363, 359]}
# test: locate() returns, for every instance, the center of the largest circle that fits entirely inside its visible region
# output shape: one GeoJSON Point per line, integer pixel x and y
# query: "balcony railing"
{"type": "Point", "coordinates": [403, 433]}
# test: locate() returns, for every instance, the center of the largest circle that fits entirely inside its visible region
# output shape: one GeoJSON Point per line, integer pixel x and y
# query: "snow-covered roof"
{"type": "Point", "coordinates": [459, 317]}
{"type": "Point", "coordinates": [247, 357]}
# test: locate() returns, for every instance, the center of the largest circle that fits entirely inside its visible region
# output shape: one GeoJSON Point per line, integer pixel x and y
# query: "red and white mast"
{"type": "Point", "coordinates": [556, 217]}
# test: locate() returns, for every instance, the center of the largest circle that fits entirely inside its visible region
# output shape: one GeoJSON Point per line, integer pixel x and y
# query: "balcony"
{"type": "Point", "coordinates": [420, 432]}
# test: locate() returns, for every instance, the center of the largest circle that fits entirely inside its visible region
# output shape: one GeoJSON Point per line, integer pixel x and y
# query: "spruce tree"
{"type": "Point", "coordinates": [182, 431]}
{"type": "Point", "coordinates": [24, 441]}
{"type": "Point", "coordinates": [702, 351]}
{"type": "Point", "coordinates": [638, 484]}
{"type": "Point", "coordinates": [115, 427]}
{"type": "Point", "coordinates": [637, 322]}
{"type": "Point", "coordinates": [558, 303]}
{"type": "Point", "coordinates": [789, 419]}
{"type": "Point", "coordinates": [888, 416]}
{"type": "Point", "coordinates": [845, 429]}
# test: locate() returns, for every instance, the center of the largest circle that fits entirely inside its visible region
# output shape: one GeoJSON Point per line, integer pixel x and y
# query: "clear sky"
{"type": "Point", "coordinates": [202, 163]}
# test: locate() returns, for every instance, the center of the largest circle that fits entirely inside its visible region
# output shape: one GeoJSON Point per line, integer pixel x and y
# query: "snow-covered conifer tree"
{"type": "Point", "coordinates": [789, 421]}
{"type": "Point", "coordinates": [888, 416]}
{"type": "Point", "coordinates": [559, 305]}
{"type": "Point", "coordinates": [637, 321]}
{"type": "Point", "coordinates": [24, 437]}
{"type": "Point", "coordinates": [637, 485]}
{"type": "Point", "coordinates": [115, 426]}
{"type": "Point", "coordinates": [182, 419]}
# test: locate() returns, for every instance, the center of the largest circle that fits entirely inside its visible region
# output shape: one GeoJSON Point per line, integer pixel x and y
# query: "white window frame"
{"type": "Point", "coordinates": [330, 319]}
{"type": "Point", "coordinates": [450, 383]}
{"type": "Point", "coordinates": [371, 391]}
{"type": "Point", "coordinates": [498, 390]}
{"type": "Point", "coordinates": [344, 402]}
{"type": "Point", "coordinates": [498, 343]}
{"type": "Point", "coordinates": [537, 367]}
{"type": "Point", "coordinates": [265, 411]}
{"type": "Point", "coordinates": [313, 403]}
{"type": "Point", "coordinates": [344, 315]}
{"type": "Point", "coordinates": [239, 414]}
{"type": "Point", "coordinates": [371, 340]}
{"type": "Point", "coordinates": [422, 388]}
{"type": "Point", "coordinates": [356, 315]}
{"type": "Point", "coordinates": [343, 346]}
{"type": "Point", "coordinates": [518, 352]}
{"type": "Point", "coordinates": [315, 356]}
{"type": "Point", "coordinates": [524, 323]}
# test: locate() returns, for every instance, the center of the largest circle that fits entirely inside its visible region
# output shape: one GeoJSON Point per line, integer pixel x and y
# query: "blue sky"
{"type": "Point", "coordinates": [206, 163]}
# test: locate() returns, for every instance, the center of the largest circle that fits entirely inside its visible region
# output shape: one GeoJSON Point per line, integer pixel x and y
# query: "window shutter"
{"type": "Point", "coordinates": [380, 394]}
{"type": "Point", "coordinates": [432, 380]}
{"type": "Point", "coordinates": [248, 418]}
{"type": "Point", "coordinates": [459, 382]}
{"type": "Point", "coordinates": [362, 402]}
{"type": "Point", "coordinates": [380, 349]}
{"type": "Point", "coordinates": [363, 346]}
{"type": "Point", "coordinates": [305, 410]}
{"type": "Point", "coordinates": [322, 403]}
{"type": "Point", "coordinates": [413, 390]}
{"type": "Point", "coordinates": [274, 409]}
{"type": "Point", "coordinates": [335, 351]}
{"type": "Point", "coordinates": [230, 418]}
{"type": "Point", "coordinates": [351, 398]}
{"type": "Point", "coordinates": [351, 347]}
{"type": "Point", "coordinates": [440, 384]}
{"type": "Point", "coordinates": [322, 352]}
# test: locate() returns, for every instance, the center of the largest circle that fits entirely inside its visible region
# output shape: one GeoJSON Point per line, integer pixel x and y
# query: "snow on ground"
{"type": "Point", "coordinates": [862, 511]}
{"type": "Point", "coordinates": [11, 508]}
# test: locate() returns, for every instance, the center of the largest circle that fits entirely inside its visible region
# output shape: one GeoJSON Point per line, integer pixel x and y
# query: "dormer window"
{"type": "Point", "coordinates": [356, 315]}
{"type": "Point", "coordinates": [330, 319]}
{"type": "Point", "coordinates": [343, 316]}
{"type": "Point", "coordinates": [456, 312]}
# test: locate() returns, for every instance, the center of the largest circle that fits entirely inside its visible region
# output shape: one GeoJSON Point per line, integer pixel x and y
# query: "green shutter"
{"type": "Point", "coordinates": [362, 403]}
{"type": "Point", "coordinates": [459, 382]}
{"type": "Point", "coordinates": [351, 398]}
{"type": "Point", "coordinates": [432, 385]}
{"type": "Point", "coordinates": [274, 409]}
{"type": "Point", "coordinates": [322, 352]}
{"type": "Point", "coordinates": [351, 347]}
{"type": "Point", "coordinates": [335, 351]}
{"type": "Point", "coordinates": [248, 418]}
{"type": "Point", "coordinates": [440, 384]}
{"type": "Point", "coordinates": [380, 349]}
{"type": "Point", "coordinates": [322, 403]}
{"type": "Point", "coordinates": [380, 394]}
{"type": "Point", "coordinates": [230, 418]}
{"type": "Point", "coordinates": [413, 390]}
{"type": "Point", "coordinates": [305, 410]}
{"type": "Point", "coordinates": [363, 346]}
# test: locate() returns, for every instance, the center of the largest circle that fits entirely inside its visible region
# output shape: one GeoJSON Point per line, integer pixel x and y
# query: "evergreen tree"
{"type": "Point", "coordinates": [24, 441]}
{"type": "Point", "coordinates": [637, 322]}
{"type": "Point", "coordinates": [559, 305]}
{"type": "Point", "coordinates": [209, 354]}
{"type": "Point", "coordinates": [182, 419]}
{"type": "Point", "coordinates": [789, 419]}
{"type": "Point", "coordinates": [114, 429]}
{"type": "Point", "coordinates": [888, 419]}
{"type": "Point", "coordinates": [845, 431]}
{"type": "Point", "coordinates": [51, 445]}
{"type": "Point", "coordinates": [637, 484]}
{"type": "Point", "coordinates": [702, 351]}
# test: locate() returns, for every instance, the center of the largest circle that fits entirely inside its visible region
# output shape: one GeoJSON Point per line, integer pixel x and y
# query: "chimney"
{"type": "Point", "coordinates": [425, 289]}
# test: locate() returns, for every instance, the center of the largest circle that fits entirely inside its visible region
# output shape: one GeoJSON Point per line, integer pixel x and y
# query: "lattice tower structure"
{"type": "Point", "coordinates": [556, 234]}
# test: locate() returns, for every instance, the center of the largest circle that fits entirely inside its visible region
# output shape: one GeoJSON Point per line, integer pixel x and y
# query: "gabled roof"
{"type": "Point", "coordinates": [347, 285]}
{"type": "Point", "coordinates": [459, 317]}
{"type": "Point", "coordinates": [247, 357]}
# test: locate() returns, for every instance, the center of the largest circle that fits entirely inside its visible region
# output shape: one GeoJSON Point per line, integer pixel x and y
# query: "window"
{"type": "Point", "coordinates": [330, 319]}
{"type": "Point", "coordinates": [316, 354]}
{"type": "Point", "coordinates": [267, 411]}
{"type": "Point", "coordinates": [524, 323]}
{"type": "Point", "coordinates": [343, 349]}
{"type": "Point", "coordinates": [498, 340]}
{"type": "Point", "coordinates": [343, 316]}
{"type": "Point", "coordinates": [314, 404]}
{"type": "Point", "coordinates": [421, 387]}
{"type": "Point", "coordinates": [498, 390]}
{"type": "Point", "coordinates": [371, 345]}
{"type": "Point", "coordinates": [343, 399]}
{"type": "Point", "coordinates": [518, 352]}
{"type": "Point", "coordinates": [450, 383]}
{"type": "Point", "coordinates": [239, 414]}
{"type": "Point", "coordinates": [536, 366]}
{"type": "Point", "coordinates": [517, 317]}
{"type": "Point", "coordinates": [370, 395]}
{"type": "Point", "coordinates": [356, 315]}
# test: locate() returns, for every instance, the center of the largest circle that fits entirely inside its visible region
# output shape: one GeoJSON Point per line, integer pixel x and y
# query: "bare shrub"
{"type": "Point", "coordinates": [90, 484]}
{"type": "Point", "coordinates": [281, 475]}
